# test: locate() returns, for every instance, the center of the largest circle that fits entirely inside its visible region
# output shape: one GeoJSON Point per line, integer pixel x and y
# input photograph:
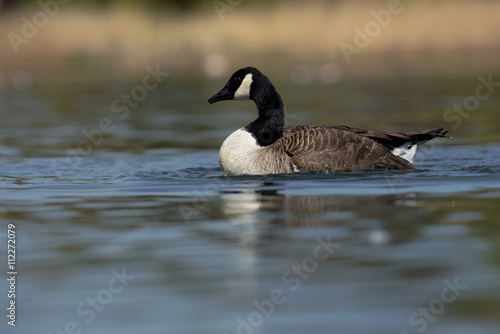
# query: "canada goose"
{"type": "Point", "coordinates": [266, 147]}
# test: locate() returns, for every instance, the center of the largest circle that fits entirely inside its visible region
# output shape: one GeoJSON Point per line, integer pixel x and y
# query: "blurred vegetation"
{"type": "Point", "coordinates": [215, 36]}
{"type": "Point", "coordinates": [183, 5]}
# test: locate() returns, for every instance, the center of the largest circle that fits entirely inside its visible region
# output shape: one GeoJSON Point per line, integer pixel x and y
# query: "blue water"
{"type": "Point", "coordinates": [201, 252]}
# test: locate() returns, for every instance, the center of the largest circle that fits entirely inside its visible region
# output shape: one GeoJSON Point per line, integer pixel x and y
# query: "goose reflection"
{"type": "Point", "coordinates": [374, 219]}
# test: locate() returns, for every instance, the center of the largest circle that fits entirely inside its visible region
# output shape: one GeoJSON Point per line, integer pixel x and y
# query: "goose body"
{"type": "Point", "coordinates": [266, 147]}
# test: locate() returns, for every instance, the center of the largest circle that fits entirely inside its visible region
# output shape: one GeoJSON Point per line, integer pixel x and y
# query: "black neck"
{"type": "Point", "coordinates": [268, 128]}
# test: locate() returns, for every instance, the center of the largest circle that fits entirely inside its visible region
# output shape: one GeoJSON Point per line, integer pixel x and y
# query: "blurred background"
{"type": "Point", "coordinates": [109, 161]}
{"type": "Point", "coordinates": [212, 38]}
{"type": "Point", "coordinates": [401, 51]}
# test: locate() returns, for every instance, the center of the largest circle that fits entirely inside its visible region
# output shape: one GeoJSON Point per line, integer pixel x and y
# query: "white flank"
{"type": "Point", "coordinates": [406, 151]}
{"type": "Point", "coordinates": [243, 92]}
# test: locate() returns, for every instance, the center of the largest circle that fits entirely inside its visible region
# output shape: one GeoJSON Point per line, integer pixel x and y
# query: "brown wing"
{"type": "Point", "coordinates": [326, 147]}
{"type": "Point", "coordinates": [392, 139]}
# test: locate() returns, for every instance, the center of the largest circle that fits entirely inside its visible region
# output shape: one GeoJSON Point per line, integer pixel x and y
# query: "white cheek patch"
{"type": "Point", "coordinates": [243, 92]}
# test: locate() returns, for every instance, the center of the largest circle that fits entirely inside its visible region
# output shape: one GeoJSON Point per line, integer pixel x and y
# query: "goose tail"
{"type": "Point", "coordinates": [424, 136]}
{"type": "Point", "coordinates": [408, 150]}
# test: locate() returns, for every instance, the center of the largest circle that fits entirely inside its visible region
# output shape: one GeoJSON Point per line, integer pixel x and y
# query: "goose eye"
{"type": "Point", "coordinates": [237, 80]}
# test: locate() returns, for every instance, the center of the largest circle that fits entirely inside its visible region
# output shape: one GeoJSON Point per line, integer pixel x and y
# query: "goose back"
{"type": "Point", "coordinates": [333, 148]}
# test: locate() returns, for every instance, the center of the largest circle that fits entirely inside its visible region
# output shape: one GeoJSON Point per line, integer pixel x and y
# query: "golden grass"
{"type": "Point", "coordinates": [425, 33]}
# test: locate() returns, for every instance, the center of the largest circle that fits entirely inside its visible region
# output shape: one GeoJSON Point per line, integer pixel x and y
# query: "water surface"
{"type": "Point", "coordinates": [201, 252]}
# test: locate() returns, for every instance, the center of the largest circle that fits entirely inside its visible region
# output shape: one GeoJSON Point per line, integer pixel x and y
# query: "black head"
{"type": "Point", "coordinates": [250, 84]}
{"type": "Point", "coordinates": [240, 86]}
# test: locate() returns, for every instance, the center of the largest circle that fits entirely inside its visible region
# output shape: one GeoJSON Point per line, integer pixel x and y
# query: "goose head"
{"type": "Point", "coordinates": [240, 86]}
{"type": "Point", "coordinates": [250, 84]}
